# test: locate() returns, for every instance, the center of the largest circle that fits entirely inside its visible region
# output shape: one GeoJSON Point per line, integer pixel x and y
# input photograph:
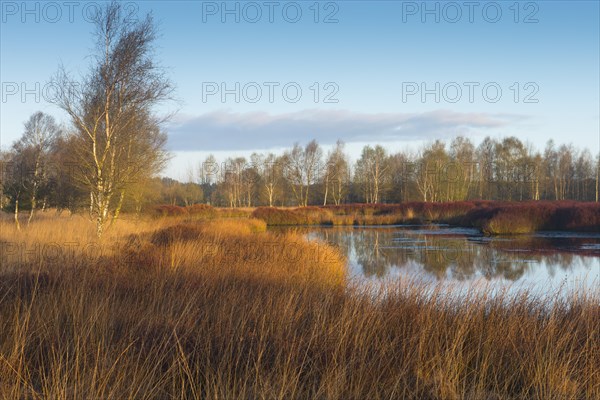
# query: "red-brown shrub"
{"type": "Point", "coordinates": [166, 210]}
{"type": "Point", "coordinates": [277, 216]}
{"type": "Point", "coordinates": [202, 210]}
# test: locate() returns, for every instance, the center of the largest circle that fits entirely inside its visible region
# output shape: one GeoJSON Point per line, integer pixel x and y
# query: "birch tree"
{"type": "Point", "coordinates": [34, 150]}
{"type": "Point", "coordinates": [372, 169]}
{"type": "Point", "coordinates": [113, 109]}
{"type": "Point", "coordinates": [459, 173]}
{"type": "Point", "coordinates": [270, 169]}
{"type": "Point", "coordinates": [598, 172]}
{"type": "Point", "coordinates": [302, 169]}
{"type": "Point", "coordinates": [336, 174]}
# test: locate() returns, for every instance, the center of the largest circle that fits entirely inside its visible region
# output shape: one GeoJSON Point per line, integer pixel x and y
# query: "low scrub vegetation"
{"type": "Point", "coordinates": [491, 217]}
{"type": "Point", "coordinates": [527, 217]}
{"type": "Point", "coordinates": [173, 308]}
{"type": "Point", "coordinates": [198, 211]}
{"type": "Point", "coordinates": [280, 216]}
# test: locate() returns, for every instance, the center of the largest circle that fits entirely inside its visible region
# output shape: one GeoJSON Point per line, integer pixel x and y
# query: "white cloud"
{"type": "Point", "coordinates": [226, 130]}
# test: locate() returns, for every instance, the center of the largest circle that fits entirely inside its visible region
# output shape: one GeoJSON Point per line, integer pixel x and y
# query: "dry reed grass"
{"type": "Point", "coordinates": [491, 217]}
{"type": "Point", "coordinates": [224, 310]}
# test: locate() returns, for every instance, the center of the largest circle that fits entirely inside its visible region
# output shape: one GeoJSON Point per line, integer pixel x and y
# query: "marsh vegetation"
{"type": "Point", "coordinates": [177, 307]}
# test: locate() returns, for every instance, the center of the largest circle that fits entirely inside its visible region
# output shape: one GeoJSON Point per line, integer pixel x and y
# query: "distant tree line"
{"type": "Point", "coordinates": [505, 169]}
{"type": "Point", "coordinates": [44, 169]}
{"type": "Point", "coordinates": [108, 158]}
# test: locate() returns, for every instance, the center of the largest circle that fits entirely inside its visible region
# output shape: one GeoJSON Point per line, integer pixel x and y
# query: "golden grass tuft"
{"type": "Point", "coordinates": [226, 310]}
{"type": "Point", "coordinates": [507, 223]}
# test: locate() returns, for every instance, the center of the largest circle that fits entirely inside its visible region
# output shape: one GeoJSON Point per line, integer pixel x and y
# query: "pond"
{"type": "Point", "coordinates": [541, 262]}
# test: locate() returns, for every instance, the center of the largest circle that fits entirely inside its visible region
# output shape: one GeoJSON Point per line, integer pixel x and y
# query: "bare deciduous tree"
{"type": "Point", "coordinates": [302, 169]}
{"type": "Point", "coordinates": [269, 167]}
{"type": "Point", "coordinates": [373, 167]}
{"type": "Point", "coordinates": [431, 168]}
{"type": "Point", "coordinates": [112, 109]}
{"type": "Point", "coordinates": [598, 172]}
{"type": "Point", "coordinates": [41, 131]}
{"type": "Point", "coordinates": [336, 174]}
{"type": "Point", "coordinates": [30, 158]}
{"type": "Point", "coordinates": [459, 173]}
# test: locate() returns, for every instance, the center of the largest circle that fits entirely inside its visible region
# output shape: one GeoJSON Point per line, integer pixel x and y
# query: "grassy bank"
{"type": "Point", "coordinates": [221, 309]}
{"type": "Point", "coordinates": [489, 217]}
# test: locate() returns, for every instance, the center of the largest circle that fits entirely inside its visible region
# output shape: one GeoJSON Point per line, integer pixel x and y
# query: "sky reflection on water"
{"type": "Point", "coordinates": [543, 262]}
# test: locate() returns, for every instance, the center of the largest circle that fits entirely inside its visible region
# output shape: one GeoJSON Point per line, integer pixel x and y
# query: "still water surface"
{"type": "Point", "coordinates": [541, 262]}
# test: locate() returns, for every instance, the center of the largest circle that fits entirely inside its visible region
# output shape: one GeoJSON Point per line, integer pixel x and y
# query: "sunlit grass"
{"type": "Point", "coordinates": [223, 309]}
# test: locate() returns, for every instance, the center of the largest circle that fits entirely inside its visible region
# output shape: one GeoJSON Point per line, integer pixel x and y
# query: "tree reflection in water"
{"type": "Point", "coordinates": [446, 253]}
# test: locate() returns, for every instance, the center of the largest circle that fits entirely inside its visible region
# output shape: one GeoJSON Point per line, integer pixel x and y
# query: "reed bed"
{"type": "Point", "coordinates": [494, 218]}
{"type": "Point", "coordinates": [221, 309]}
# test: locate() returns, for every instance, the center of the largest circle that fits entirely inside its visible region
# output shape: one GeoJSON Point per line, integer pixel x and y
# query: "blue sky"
{"type": "Point", "coordinates": [372, 58]}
